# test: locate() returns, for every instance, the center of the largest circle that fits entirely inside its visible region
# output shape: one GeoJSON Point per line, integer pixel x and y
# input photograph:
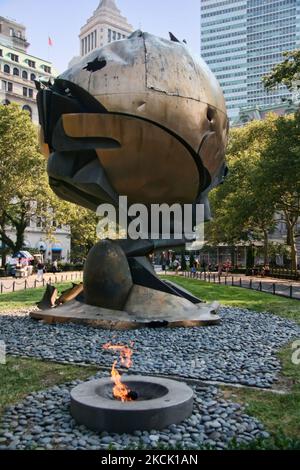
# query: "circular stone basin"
{"type": "Point", "coordinates": [160, 402]}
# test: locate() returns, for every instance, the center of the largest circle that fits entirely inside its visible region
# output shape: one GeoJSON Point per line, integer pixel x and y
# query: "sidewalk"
{"type": "Point", "coordinates": [9, 284]}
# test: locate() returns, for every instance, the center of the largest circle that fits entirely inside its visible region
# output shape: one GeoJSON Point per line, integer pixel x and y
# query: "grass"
{"type": "Point", "coordinates": [26, 298]}
{"type": "Point", "coordinates": [241, 297]}
{"type": "Point", "coordinates": [20, 377]}
{"type": "Point", "coordinates": [279, 413]}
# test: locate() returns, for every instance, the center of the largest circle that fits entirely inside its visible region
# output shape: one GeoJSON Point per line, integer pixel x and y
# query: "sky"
{"type": "Point", "coordinates": [62, 20]}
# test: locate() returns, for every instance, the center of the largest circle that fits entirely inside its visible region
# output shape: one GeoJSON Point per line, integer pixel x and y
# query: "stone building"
{"type": "Point", "coordinates": [18, 69]}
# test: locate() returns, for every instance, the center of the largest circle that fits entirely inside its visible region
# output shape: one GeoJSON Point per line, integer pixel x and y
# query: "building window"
{"type": "Point", "coordinates": [46, 68]}
{"type": "Point", "coordinates": [31, 64]}
{"type": "Point", "coordinates": [7, 86]}
{"type": "Point", "coordinates": [16, 72]}
{"type": "Point", "coordinates": [30, 93]}
{"type": "Point", "coordinates": [39, 222]}
{"type": "Point", "coordinates": [114, 35]}
{"type": "Point", "coordinates": [28, 110]}
{"type": "Point", "coordinates": [1, 53]}
{"type": "Point", "coordinates": [6, 68]}
{"type": "Point", "coordinates": [14, 57]}
{"type": "Point", "coordinates": [32, 77]}
{"type": "Point", "coordinates": [25, 91]}
{"type": "Point", "coordinates": [24, 75]}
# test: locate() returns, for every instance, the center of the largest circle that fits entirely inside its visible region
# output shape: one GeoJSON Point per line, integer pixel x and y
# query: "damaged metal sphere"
{"type": "Point", "coordinates": [151, 113]}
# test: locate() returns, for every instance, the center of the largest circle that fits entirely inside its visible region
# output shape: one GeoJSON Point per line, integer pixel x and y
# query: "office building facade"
{"type": "Point", "coordinates": [242, 40]}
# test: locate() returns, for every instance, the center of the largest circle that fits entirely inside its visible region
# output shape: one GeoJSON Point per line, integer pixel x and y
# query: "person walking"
{"type": "Point", "coordinates": [40, 272]}
{"type": "Point", "coordinates": [54, 267]}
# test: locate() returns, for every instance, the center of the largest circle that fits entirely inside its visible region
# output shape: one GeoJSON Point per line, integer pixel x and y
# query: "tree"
{"type": "Point", "coordinates": [192, 260]}
{"type": "Point", "coordinates": [281, 165]}
{"type": "Point", "coordinates": [183, 262]}
{"type": "Point", "coordinates": [25, 192]}
{"type": "Point", "coordinates": [242, 208]}
{"type": "Point", "coordinates": [286, 72]}
{"type": "Point", "coordinates": [18, 157]}
{"type": "Point", "coordinates": [83, 224]}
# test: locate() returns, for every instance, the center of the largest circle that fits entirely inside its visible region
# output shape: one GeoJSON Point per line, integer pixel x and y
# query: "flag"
{"type": "Point", "coordinates": [50, 42]}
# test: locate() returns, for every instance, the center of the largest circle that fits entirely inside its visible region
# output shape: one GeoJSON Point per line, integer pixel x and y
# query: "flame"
{"type": "Point", "coordinates": [120, 390]}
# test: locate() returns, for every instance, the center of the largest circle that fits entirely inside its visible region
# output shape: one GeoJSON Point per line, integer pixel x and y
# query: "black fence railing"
{"type": "Point", "coordinates": [274, 288]}
{"type": "Point", "coordinates": [25, 284]}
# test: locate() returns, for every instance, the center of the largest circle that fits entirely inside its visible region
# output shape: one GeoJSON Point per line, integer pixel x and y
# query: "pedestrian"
{"type": "Point", "coordinates": [40, 272]}
{"type": "Point", "coordinates": [220, 270]}
{"type": "Point", "coordinates": [194, 270]}
{"type": "Point", "coordinates": [54, 267]}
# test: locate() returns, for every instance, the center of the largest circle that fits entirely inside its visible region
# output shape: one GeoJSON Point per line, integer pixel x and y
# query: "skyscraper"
{"type": "Point", "coordinates": [106, 25]}
{"type": "Point", "coordinates": [241, 40]}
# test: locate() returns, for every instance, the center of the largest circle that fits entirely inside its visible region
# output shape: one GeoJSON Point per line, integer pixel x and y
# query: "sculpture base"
{"type": "Point", "coordinates": [144, 308]}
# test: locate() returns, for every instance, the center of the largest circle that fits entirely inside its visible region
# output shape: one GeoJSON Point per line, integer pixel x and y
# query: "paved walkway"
{"type": "Point", "coordinates": [9, 284]}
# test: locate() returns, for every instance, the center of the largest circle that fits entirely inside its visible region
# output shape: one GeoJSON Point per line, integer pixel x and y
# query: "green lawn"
{"type": "Point", "coordinates": [279, 413]}
{"type": "Point", "coordinates": [240, 297]}
{"type": "Point", "coordinates": [20, 377]}
{"type": "Point", "coordinates": [26, 298]}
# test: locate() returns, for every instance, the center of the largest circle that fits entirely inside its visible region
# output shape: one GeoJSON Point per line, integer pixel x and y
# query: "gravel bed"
{"type": "Point", "coordinates": [43, 421]}
{"type": "Point", "coordinates": [241, 350]}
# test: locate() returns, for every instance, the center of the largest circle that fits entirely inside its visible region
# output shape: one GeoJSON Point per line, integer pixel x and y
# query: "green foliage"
{"type": "Point", "coordinates": [286, 72]}
{"type": "Point", "coordinates": [192, 260]}
{"type": "Point", "coordinates": [241, 206]}
{"type": "Point", "coordinates": [83, 224]}
{"type": "Point", "coordinates": [25, 192]}
{"type": "Point", "coordinates": [264, 180]}
{"type": "Point", "coordinates": [281, 164]}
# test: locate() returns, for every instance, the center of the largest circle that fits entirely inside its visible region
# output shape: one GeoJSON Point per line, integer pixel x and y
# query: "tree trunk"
{"type": "Point", "coordinates": [3, 258]}
{"type": "Point", "coordinates": [294, 255]}
{"type": "Point", "coordinates": [266, 248]}
{"type": "Point", "coordinates": [20, 235]}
